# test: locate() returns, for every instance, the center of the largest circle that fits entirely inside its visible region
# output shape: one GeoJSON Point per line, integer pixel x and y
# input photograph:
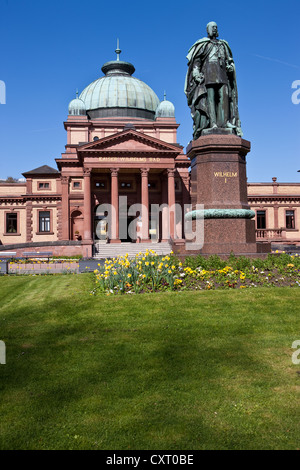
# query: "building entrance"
{"type": "Point", "coordinates": [128, 231]}
{"type": "Point", "coordinates": [101, 228]}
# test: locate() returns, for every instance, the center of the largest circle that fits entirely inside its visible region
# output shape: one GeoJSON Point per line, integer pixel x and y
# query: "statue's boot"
{"type": "Point", "coordinates": [230, 126]}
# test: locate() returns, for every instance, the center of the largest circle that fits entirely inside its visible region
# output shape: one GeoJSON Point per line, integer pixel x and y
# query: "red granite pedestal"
{"type": "Point", "coordinates": [218, 181]}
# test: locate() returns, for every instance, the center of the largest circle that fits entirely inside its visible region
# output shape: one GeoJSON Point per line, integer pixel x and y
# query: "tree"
{"type": "Point", "coordinates": [10, 179]}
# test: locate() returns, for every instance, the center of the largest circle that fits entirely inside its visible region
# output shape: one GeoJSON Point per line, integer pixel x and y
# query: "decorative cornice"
{"type": "Point", "coordinates": [28, 198]}
{"type": "Point", "coordinates": [273, 198]}
{"type": "Point", "coordinates": [123, 136]}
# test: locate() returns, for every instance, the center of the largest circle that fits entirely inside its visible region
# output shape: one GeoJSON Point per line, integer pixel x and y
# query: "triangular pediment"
{"type": "Point", "coordinates": [130, 141]}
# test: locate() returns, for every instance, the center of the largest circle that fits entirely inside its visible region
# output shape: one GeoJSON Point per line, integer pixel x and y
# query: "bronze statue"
{"type": "Point", "coordinates": [210, 86]}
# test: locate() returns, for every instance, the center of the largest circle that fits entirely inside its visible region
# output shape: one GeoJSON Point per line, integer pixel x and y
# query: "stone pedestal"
{"type": "Point", "coordinates": [219, 182]}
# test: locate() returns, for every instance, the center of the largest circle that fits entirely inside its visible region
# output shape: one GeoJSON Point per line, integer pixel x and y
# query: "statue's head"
{"type": "Point", "coordinates": [212, 30]}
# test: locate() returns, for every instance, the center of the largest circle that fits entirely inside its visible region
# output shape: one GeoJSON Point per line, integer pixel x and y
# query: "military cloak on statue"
{"type": "Point", "coordinates": [196, 84]}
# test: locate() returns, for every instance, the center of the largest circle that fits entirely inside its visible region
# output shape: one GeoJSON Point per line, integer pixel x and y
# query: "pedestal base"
{"type": "Point", "coordinates": [217, 131]}
{"type": "Point", "coordinates": [219, 182]}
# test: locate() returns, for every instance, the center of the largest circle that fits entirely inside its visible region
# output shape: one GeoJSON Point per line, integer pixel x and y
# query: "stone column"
{"type": "Point", "coordinates": [165, 211]}
{"type": "Point", "coordinates": [145, 204]}
{"type": "Point", "coordinates": [87, 205]}
{"type": "Point", "coordinates": [186, 198]}
{"type": "Point", "coordinates": [65, 207]}
{"type": "Point", "coordinates": [276, 222]}
{"type": "Point", "coordinates": [171, 201]}
{"type": "Point", "coordinates": [29, 228]}
{"type": "Point", "coordinates": [114, 217]}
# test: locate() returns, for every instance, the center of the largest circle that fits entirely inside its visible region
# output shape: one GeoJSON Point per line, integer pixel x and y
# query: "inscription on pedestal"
{"type": "Point", "coordinates": [225, 174]}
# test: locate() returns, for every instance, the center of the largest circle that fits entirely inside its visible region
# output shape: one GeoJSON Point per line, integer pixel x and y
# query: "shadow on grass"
{"type": "Point", "coordinates": [83, 376]}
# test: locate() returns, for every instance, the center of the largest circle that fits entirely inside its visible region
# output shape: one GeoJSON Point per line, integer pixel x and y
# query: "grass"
{"type": "Point", "coordinates": [172, 370]}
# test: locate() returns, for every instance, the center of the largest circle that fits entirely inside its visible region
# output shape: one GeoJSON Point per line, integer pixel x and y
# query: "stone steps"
{"type": "Point", "coordinates": [103, 251]}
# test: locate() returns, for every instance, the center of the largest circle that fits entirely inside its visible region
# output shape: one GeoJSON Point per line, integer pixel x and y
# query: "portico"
{"type": "Point", "coordinates": [136, 170]}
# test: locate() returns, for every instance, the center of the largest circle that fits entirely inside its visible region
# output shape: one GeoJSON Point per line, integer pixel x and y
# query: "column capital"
{"type": "Point", "coordinates": [87, 172]}
{"type": "Point", "coordinates": [145, 171]}
{"type": "Point", "coordinates": [64, 179]}
{"type": "Point", "coordinates": [114, 171]}
{"type": "Point", "coordinates": [171, 172]}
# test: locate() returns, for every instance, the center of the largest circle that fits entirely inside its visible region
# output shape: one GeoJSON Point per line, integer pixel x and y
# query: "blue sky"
{"type": "Point", "coordinates": [48, 49]}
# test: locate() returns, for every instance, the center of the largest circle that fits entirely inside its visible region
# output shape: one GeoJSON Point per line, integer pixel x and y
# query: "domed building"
{"type": "Point", "coordinates": [121, 143]}
{"type": "Point", "coordinates": [77, 107]}
{"type": "Point", "coordinates": [118, 93]}
{"type": "Point", "coordinates": [165, 109]}
{"type": "Point", "coordinates": [122, 181]}
{"type": "Point", "coordinates": [121, 167]}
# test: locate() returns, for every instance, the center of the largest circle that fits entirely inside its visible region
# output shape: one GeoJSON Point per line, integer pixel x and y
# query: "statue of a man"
{"type": "Point", "coordinates": [210, 85]}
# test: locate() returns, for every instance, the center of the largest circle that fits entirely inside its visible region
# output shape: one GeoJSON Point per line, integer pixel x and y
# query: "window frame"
{"type": "Point", "coordinates": [99, 188]}
{"type": "Point", "coordinates": [257, 218]}
{"type": "Point", "coordinates": [40, 188]}
{"type": "Point", "coordinates": [7, 213]}
{"type": "Point", "coordinates": [286, 227]}
{"type": "Point", "coordinates": [50, 232]}
{"type": "Point", "coordinates": [79, 188]}
{"type": "Point", "coordinates": [126, 180]}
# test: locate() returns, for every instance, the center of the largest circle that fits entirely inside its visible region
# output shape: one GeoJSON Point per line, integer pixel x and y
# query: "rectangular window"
{"type": "Point", "coordinates": [11, 223]}
{"type": "Point", "coordinates": [44, 185]}
{"type": "Point", "coordinates": [77, 185]}
{"type": "Point", "coordinates": [44, 221]}
{"type": "Point", "coordinates": [100, 184]}
{"type": "Point", "coordinates": [261, 220]}
{"type": "Point", "coordinates": [290, 219]}
{"type": "Point", "coordinates": [125, 184]}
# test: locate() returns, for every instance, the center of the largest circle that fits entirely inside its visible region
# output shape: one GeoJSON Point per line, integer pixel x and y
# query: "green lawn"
{"type": "Point", "coordinates": [174, 371]}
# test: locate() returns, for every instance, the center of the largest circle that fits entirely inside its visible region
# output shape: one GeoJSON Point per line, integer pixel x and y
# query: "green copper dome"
{"type": "Point", "coordinates": [77, 107]}
{"type": "Point", "coordinates": [165, 109]}
{"type": "Point", "coordinates": [119, 94]}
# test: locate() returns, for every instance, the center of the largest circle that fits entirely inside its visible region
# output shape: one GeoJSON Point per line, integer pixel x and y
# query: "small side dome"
{"type": "Point", "coordinates": [165, 109]}
{"type": "Point", "coordinates": [77, 107]}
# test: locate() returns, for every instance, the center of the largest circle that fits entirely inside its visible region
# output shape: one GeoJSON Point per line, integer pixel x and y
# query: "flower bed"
{"type": "Point", "coordinates": [151, 273]}
{"type": "Point", "coordinates": [39, 266]}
